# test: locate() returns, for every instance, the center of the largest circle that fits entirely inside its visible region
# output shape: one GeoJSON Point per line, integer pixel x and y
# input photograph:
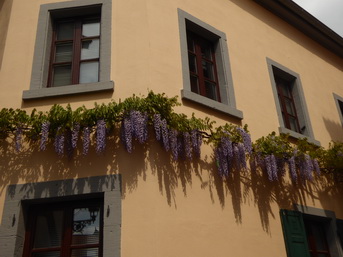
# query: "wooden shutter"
{"type": "Point", "coordinates": [294, 233]}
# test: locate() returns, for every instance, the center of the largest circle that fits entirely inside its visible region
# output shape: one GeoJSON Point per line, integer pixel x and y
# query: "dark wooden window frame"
{"type": "Point", "coordinates": [281, 84]}
{"type": "Point", "coordinates": [76, 41]}
{"type": "Point", "coordinates": [66, 243]}
{"type": "Point", "coordinates": [202, 79]}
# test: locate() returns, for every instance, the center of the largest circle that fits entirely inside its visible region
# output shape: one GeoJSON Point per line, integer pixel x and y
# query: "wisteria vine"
{"type": "Point", "coordinates": [177, 134]}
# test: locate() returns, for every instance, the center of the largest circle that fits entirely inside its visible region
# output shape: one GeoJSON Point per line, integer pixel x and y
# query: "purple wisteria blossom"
{"type": "Point", "coordinates": [126, 134]}
{"type": "Point", "coordinates": [246, 140]}
{"type": "Point", "coordinates": [86, 140]}
{"type": "Point", "coordinates": [100, 136]}
{"type": "Point", "coordinates": [273, 165]}
{"type": "Point", "coordinates": [307, 167]}
{"type": "Point", "coordinates": [173, 144]}
{"type": "Point", "coordinates": [139, 123]}
{"type": "Point", "coordinates": [157, 126]}
{"type": "Point", "coordinates": [18, 136]}
{"type": "Point", "coordinates": [45, 134]}
{"type": "Point", "coordinates": [75, 135]}
{"type": "Point", "coordinates": [222, 162]}
{"type": "Point", "coordinates": [165, 134]}
{"type": "Point", "coordinates": [187, 145]}
{"type": "Point", "coordinates": [59, 141]}
{"type": "Point", "coordinates": [196, 142]}
{"type": "Point", "coordinates": [268, 166]}
{"type": "Point", "coordinates": [292, 169]}
{"type": "Point", "coordinates": [241, 160]}
{"type": "Point", "coordinates": [316, 166]}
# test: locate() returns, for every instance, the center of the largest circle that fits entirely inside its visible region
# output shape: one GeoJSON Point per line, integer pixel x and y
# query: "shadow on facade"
{"type": "Point", "coordinates": [240, 188]}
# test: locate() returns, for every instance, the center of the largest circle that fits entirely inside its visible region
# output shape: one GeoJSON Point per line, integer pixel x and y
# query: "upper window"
{"type": "Point", "coordinates": [72, 50]}
{"type": "Point", "coordinates": [202, 67]}
{"type": "Point", "coordinates": [205, 65]}
{"type": "Point", "coordinates": [75, 52]}
{"type": "Point", "coordinates": [339, 104]}
{"type": "Point", "coordinates": [65, 229]}
{"type": "Point", "coordinates": [290, 102]}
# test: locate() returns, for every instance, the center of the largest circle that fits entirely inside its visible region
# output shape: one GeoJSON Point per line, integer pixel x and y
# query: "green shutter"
{"type": "Point", "coordinates": [340, 230]}
{"type": "Point", "coordinates": [294, 233]}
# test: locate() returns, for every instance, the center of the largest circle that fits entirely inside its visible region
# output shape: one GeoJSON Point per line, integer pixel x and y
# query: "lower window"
{"type": "Point", "coordinates": [65, 229]}
{"type": "Point", "coordinates": [311, 232]}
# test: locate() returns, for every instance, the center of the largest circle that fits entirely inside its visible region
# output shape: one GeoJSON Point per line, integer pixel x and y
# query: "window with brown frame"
{"type": "Point", "coordinates": [202, 66]}
{"type": "Point", "coordinates": [316, 238]}
{"type": "Point", "coordinates": [75, 51]}
{"type": "Point", "coordinates": [286, 99]}
{"type": "Point", "coordinates": [65, 229]}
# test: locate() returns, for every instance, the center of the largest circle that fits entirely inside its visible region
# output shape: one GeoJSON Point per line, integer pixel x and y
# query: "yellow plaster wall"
{"type": "Point", "coordinates": [185, 209]}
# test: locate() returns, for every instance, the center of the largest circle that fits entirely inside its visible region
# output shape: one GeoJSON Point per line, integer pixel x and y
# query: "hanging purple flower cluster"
{"type": "Point", "coordinates": [45, 134]}
{"type": "Point", "coordinates": [86, 140]}
{"type": "Point", "coordinates": [224, 153]}
{"type": "Point", "coordinates": [18, 136]}
{"type": "Point", "coordinates": [100, 136]}
{"type": "Point", "coordinates": [75, 135]}
{"type": "Point", "coordinates": [134, 126]}
{"type": "Point", "coordinates": [271, 167]}
{"type": "Point", "coordinates": [183, 145]}
{"type": "Point", "coordinates": [59, 141]}
{"type": "Point", "coordinates": [246, 140]}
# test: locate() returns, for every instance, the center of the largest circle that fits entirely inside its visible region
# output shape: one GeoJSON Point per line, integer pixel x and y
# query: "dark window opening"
{"type": "Point", "coordinates": [64, 229]}
{"type": "Point", "coordinates": [340, 103]}
{"type": "Point", "coordinates": [75, 51]}
{"type": "Point", "coordinates": [202, 66]}
{"type": "Point", "coordinates": [316, 238]}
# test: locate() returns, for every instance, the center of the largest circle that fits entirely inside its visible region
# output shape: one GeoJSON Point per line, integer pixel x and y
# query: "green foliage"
{"type": "Point", "coordinates": [63, 119]}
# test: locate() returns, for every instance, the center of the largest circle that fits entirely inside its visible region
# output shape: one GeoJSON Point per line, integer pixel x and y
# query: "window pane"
{"type": "Point", "coordinates": [195, 84]}
{"type": "Point", "coordinates": [65, 31]}
{"type": "Point", "coordinates": [48, 230]}
{"type": "Point", "coordinates": [89, 252]}
{"type": "Point", "coordinates": [211, 90]}
{"type": "Point", "coordinates": [293, 124]}
{"type": "Point", "coordinates": [206, 52]}
{"type": "Point", "coordinates": [192, 63]}
{"type": "Point", "coordinates": [89, 72]}
{"type": "Point", "coordinates": [190, 44]}
{"type": "Point", "coordinates": [319, 237]}
{"type": "Point", "coordinates": [91, 28]}
{"type": "Point", "coordinates": [86, 226]}
{"type": "Point", "coordinates": [64, 53]}
{"type": "Point", "coordinates": [47, 254]}
{"type": "Point", "coordinates": [62, 76]}
{"type": "Point", "coordinates": [289, 107]}
{"type": "Point", "coordinates": [207, 69]}
{"type": "Point", "coordinates": [90, 49]}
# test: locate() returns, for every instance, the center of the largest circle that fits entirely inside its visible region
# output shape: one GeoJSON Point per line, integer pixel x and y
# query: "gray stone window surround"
{"type": "Point", "coordinates": [331, 227]}
{"type": "Point", "coordinates": [40, 65]}
{"type": "Point", "coordinates": [19, 197]}
{"type": "Point", "coordinates": [339, 103]}
{"type": "Point", "coordinates": [228, 104]}
{"type": "Point", "coordinates": [275, 68]}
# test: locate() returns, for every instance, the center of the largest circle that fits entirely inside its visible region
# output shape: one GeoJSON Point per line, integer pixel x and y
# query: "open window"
{"type": "Point", "coordinates": [290, 102]}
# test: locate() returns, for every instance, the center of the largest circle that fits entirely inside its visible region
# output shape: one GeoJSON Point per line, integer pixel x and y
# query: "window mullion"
{"type": "Point", "coordinates": [199, 67]}
{"type": "Point", "coordinates": [77, 51]}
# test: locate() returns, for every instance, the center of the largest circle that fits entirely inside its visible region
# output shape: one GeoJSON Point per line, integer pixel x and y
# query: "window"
{"type": "Point", "coordinates": [339, 104]}
{"type": "Point", "coordinates": [75, 52]}
{"type": "Point", "coordinates": [316, 237]}
{"type": "Point", "coordinates": [202, 67]}
{"type": "Point", "coordinates": [73, 217]}
{"type": "Point", "coordinates": [290, 102]}
{"type": "Point", "coordinates": [206, 70]}
{"type": "Point", "coordinates": [65, 229]}
{"type": "Point", "coordinates": [311, 232]}
{"type": "Point", "coordinates": [72, 50]}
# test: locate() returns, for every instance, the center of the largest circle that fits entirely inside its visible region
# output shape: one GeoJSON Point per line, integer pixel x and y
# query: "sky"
{"type": "Point", "coordinates": [330, 12]}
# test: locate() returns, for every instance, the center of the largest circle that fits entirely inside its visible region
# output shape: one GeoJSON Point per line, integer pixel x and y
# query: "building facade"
{"type": "Point", "coordinates": [268, 64]}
